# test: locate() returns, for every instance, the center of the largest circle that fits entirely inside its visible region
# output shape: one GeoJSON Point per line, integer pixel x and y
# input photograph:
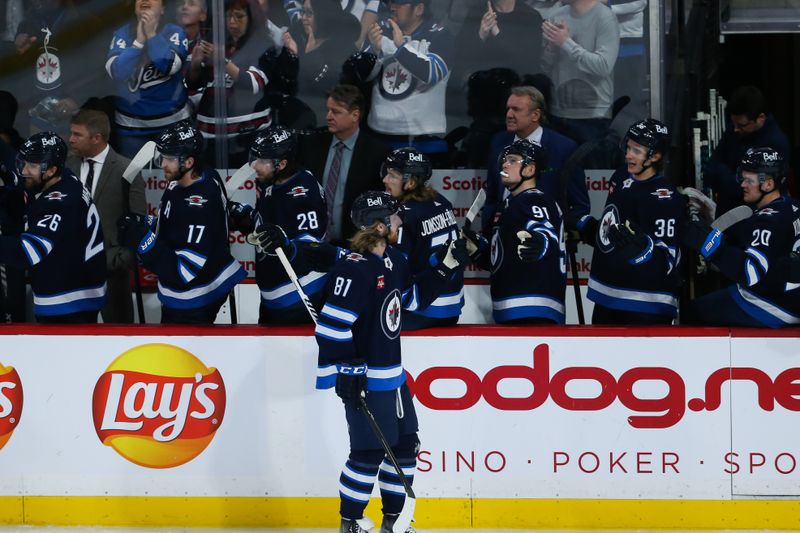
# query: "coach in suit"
{"type": "Point", "coordinates": [524, 112]}
{"type": "Point", "coordinates": [100, 169]}
{"type": "Point", "coordinates": [345, 159]}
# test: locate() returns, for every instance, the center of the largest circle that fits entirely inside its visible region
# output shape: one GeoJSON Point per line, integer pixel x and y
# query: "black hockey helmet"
{"type": "Point", "coordinates": [275, 143]}
{"type": "Point", "coordinates": [531, 153]}
{"type": "Point", "coordinates": [373, 206]}
{"type": "Point", "coordinates": [764, 161]}
{"type": "Point", "coordinates": [45, 148]}
{"type": "Point", "coordinates": [409, 162]}
{"type": "Point", "coordinates": [181, 140]}
{"type": "Point", "coordinates": [650, 133]}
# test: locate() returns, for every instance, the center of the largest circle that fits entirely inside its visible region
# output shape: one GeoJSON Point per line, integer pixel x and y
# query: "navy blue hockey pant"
{"type": "Point", "coordinates": [395, 414]}
{"type": "Point", "coordinates": [717, 309]}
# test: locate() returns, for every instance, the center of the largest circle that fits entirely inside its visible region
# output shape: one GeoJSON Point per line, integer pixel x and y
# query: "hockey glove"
{"type": "Point", "coordinates": [532, 246]}
{"type": "Point", "coordinates": [268, 238]}
{"type": "Point", "coordinates": [631, 243]}
{"type": "Point", "coordinates": [454, 257]}
{"type": "Point", "coordinates": [474, 242]}
{"type": "Point", "coordinates": [320, 256]}
{"type": "Point", "coordinates": [351, 381]}
{"type": "Point", "coordinates": [699, 236]}
{"type": "Point", "coordinates": [581, 227]}
{"type": "Point", "coordinates": [241, 216]}
{"type": "Point", "coordinates": [131, 230]}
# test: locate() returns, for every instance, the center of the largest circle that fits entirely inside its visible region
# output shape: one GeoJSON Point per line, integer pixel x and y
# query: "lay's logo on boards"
{"type": "Point", "coordinates": [158, 405]}
{"type": "Point", "coordinates": [10, 402]}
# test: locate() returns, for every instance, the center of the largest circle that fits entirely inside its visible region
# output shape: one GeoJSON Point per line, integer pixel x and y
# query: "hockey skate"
{"type": "Point", "coordinates": [362, 525]}
{"type": "Point", "coordinates": [388, 524]}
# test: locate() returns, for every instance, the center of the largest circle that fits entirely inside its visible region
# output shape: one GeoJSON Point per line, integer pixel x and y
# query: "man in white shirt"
{"type": "Point", "coordinates": [100, 170]}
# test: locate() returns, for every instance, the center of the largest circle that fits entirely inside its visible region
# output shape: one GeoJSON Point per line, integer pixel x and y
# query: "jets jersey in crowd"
{"type": "Point", "coordinates": [749, 250]}
{"type": "Point", "coordinates": [409, 95]}
{"type": "Point", "coordinates": [298, 207]}
{"type": "Point", "coordinates": [427, 226]}
{"type": "Point", "coordinates": [194, 263]}
{"type": "Point", "coordinates": [525, 290]}
{"type": "Point", "coordinates": [62, 248]}
{"type": "Point", "coordinates": [649, 284]}
{"type": "Point", "coordinates": [150, 90]}
{"type": "Point", "coordinates": [361, 319]}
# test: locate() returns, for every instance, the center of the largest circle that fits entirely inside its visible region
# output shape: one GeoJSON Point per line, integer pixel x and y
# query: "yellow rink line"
{"type": "Point", "coordinates": [431, 512]}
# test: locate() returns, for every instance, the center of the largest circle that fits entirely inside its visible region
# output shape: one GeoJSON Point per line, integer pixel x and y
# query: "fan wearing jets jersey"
{"type": "Point", "coordinates": [527, 254]}
{"type": "Point", "coordinates": [428, 225]}
{"type": "Point", "coordinates": [358, 334]}
{"type": "Point", "coordinates": [290, 206]}
{"type": "Point", "coordinates": [188, 246]}
{"type": "Point", "coordinates": [635, 265]}
{"type": "Point", "coordinates": [752, 253]}
{"type": "Point", "coordinates": [62, 247]}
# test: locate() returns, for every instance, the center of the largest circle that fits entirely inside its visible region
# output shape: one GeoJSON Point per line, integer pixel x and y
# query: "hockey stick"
{"type": "Point", "coordinates": [238, 178]}
{"type": "Point", "coordinates": [734, 216]}
{"type": "Point", "coordinates": [475, 208]}
{"type": "Point", "coordinates": [406, 516]}
{"type": "Point", "coordinates": [140, 160]}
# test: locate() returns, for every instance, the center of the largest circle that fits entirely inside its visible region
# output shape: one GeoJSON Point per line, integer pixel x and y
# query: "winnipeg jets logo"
{"type": "Point", "coordinates": [627, 183]}
{"type": "Point", "coordinates": [196, 200]}
{"type": "Point", "coordinates": [396, 81]}
{"type": "Point", "coordinates": [297, 192]}
{"type": "Point", "coordinates": [56, 196]}
{"type": "Point", "coordinates": [766, 211]}
{"type": "Point", "coordinates": [496, 250]}
{"type": "Point", "coordinates": [48, 70]}
{"type": "Point", "coordinates": [391, 312]}
{"type": "Point", "coordinates": [662, 194]}
{"type": "Point", "coordinates": [610, 218]}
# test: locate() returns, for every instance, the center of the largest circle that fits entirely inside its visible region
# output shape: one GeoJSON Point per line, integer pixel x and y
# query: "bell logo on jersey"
{"type": "Point", "coordinates": [158, 405]}
{"type": "Point", "coordinates": [391, 311]}
{"type": "Point", "coordinates": [196, 200]}
{"type": "Point", "coordinates": [10, 402]}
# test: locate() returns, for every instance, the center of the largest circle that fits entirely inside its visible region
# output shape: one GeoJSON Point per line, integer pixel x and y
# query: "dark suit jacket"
{"type": "Point", "coordinates": [363, 175]}
{"type": "Point", "coordinates": [559, 149]}
{"type": "Point", "coordinates": [109, 197]}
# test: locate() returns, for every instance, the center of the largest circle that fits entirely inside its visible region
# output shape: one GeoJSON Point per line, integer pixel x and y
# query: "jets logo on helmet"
{"type": "Point", "coordinates": [275, 143]}
{"type": "Point", "coordinates": [764, 161]}
{"type": "Point", "coordinates": [373, 206]}
{"type": "Point", "coordinates": [651, 134]}
{"type": "Point", "coordinates": [409, 162]}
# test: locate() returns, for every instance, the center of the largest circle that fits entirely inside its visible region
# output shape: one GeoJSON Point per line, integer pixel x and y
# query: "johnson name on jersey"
{"type": "Point", "coordinates": [197, 267]}
{"type": "Point", "coordinates": [297, 206]}
{"type": "Point", "coordinates": [523, 290]}
{"type": "Point", "coordinates": [649, 285]}
{"type": "Point", "coordinates": [427, 226]}
{"type": "Point", "coordinates": [748, 257]}
{"type": "Point", "coordinates": [151, 93]}
{"type": "Point", "coordinates": [62, 248]}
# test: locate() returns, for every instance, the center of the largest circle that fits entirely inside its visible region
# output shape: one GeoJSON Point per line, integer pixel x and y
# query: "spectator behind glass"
{"type": "Point", "coordinates": [500, 33]}
{"type": "Point", "coordinates": [11, 13]}
{"type": "Point", "coordinates": [323, 43]}
{"type": "Point", "coordinates": [245, 81]}
{"type": "Point", "coordinates": [751, 125]}
{"type": "Point", "coordinates": [146, 61]}
{"type": "Point", "coordinates": [52, 62]}
{"type": "Point", "coordinates": [410, 78]}
{"type": "Point", "coordinates": [192, 15]}
{"type": "Point", "coordinates": [365, 11]}
{"type": "Point", "coordinates": [581, 46]}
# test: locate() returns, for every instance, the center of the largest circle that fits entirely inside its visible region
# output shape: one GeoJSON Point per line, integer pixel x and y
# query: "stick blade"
{"type": "Point", "coordinates": [139, 161]}
{"type": "Point", "coordinates": [475, 208]}
{"type": "Point", "coordinates": [406, 515]}
{"type": "Point", "coordinates": [238, 178]}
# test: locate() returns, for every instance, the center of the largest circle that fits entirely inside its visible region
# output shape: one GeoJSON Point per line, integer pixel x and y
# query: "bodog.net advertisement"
{"type": "Point", "coordinates": [680, 417]}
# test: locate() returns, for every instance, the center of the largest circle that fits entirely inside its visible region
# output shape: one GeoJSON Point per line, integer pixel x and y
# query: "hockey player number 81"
{"type": "Point", "coordinates": [341, 286]}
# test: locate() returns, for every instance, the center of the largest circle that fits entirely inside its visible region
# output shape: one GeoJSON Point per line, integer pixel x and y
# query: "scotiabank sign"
{"type": "Point", "coordinates": [649, 412]}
